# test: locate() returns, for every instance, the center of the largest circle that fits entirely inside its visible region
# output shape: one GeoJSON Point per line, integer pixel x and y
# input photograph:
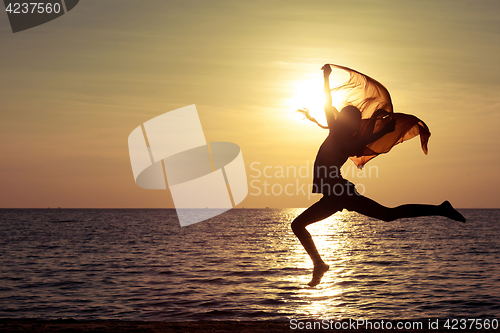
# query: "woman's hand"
{"type": "Point", "coordinates": [390, 126]}
{"type": "Point", "coordinates": [326, 70]}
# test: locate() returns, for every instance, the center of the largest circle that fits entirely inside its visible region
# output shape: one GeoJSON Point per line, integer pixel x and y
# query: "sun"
{"type": "Point", "coordinates": [308, 93]}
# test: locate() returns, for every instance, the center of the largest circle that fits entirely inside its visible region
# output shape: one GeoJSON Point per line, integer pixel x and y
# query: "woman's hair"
{"type": "Point", "coordinates": [351, 112]}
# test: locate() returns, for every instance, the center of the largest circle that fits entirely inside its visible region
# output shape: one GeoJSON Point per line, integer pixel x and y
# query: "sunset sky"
{"type": "Point", "coordinates": [73, 89]}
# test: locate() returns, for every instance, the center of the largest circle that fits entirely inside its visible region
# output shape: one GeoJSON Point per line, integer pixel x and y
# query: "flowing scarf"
{"type": "Point", "coordinates": [374, 102]}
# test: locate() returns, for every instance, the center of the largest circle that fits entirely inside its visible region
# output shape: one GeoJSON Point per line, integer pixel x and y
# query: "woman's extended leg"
{"type": "Point", "coordinates": [371, 208]}
{"type": "Point", "coordinates": [317, 212]}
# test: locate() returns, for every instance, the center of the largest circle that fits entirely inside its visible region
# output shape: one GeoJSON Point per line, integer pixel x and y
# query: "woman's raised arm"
{"type": "Point", "coordinates": [331, 112]}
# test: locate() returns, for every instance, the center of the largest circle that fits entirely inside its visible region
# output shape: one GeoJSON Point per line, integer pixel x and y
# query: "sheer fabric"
{"type": "Point", "coordinates": [374, 102]}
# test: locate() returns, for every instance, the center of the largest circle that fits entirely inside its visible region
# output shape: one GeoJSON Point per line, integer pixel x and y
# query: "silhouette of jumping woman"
{"type": "Point", "coordinates": [350, 136]}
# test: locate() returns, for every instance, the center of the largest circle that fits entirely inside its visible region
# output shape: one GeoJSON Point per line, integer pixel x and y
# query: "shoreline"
{"type": "Point", "coordinates": [127, 326]}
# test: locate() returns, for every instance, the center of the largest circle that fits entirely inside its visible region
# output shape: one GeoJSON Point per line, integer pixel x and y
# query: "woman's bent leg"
{"type": "Point", "coordinates": [317, 212]}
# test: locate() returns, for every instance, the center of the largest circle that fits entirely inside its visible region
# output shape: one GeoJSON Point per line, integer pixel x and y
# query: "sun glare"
{"type": "Point", "coordinates": [308, 93]}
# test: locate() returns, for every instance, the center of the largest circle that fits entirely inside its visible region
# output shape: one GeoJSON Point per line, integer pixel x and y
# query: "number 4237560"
{"type": "Point", "coordinates": [470, 324]}
{"type": "Point", "coordinates": [33, 8]}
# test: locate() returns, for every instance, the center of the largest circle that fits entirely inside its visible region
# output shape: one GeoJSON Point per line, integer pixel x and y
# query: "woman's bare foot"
{"type": "Point", "coordinates": [319, 271]}
{"type": "Point", "coordinates": [451, 212]}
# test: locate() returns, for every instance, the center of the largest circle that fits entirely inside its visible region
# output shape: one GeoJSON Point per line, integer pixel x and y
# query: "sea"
{"type": "Point", "coordinates": [246, 264]}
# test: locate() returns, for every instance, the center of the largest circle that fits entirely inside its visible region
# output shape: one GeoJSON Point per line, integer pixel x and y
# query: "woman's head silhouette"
{"type": "Point", "coordinates": [349, 120]}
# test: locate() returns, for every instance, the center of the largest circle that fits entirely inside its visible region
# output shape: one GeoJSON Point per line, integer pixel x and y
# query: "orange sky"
{"type": "Point", "coordinates": [73, 89]}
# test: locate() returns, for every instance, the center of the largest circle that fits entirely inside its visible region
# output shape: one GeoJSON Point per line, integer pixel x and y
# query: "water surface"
{"type": "Point", "coordinates": [245, 264]}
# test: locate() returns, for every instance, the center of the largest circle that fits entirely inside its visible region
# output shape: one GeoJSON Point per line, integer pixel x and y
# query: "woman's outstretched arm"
{"type": "Point", "coordinates": [330, 111]}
